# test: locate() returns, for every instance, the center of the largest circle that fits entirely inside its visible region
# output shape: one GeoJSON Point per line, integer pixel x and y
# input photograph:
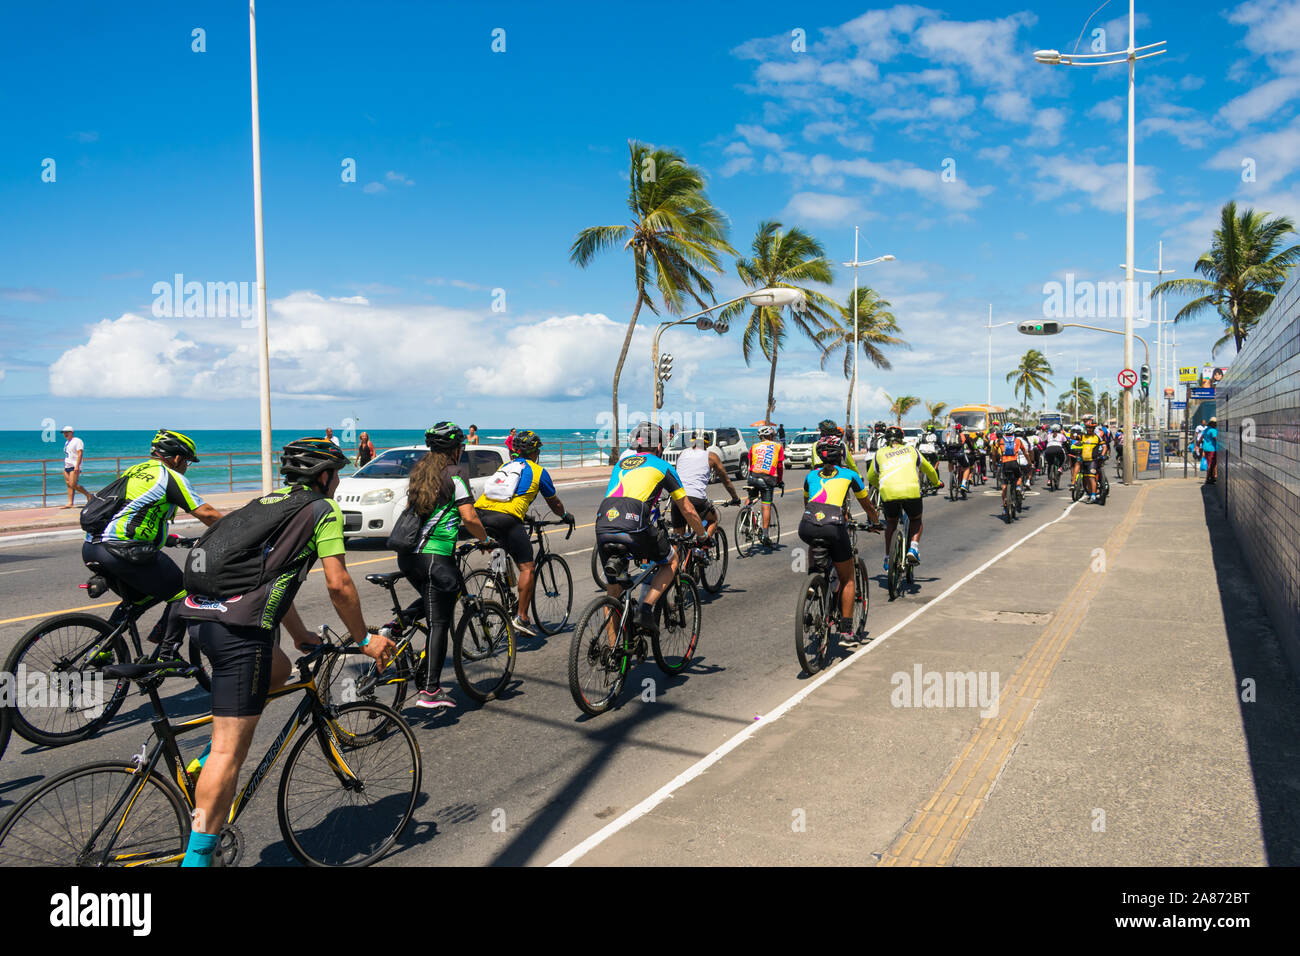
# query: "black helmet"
{"type": "Point", "coordinates": [168, 444]}
{"type": "Point", "coordinates": [828, 427]}
{"type": "Point", "coordinates": [893, 433]}
{"type": "Point", "coordinates": [646, 435]}
{"type": "Point", "coordinates": [526, 443]}
{"type": "Point", "coordinates": [444, 436]}
{"type": "Point", "coordinates": [830, 449]}
{"type": "Point", "coordinates": [309, 457]}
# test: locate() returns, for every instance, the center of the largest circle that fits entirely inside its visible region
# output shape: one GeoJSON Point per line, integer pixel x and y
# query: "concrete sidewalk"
{"type": "Point", "coordinates": [1145, 717]}
{"type": "Point", "coordinates": [16, 520]}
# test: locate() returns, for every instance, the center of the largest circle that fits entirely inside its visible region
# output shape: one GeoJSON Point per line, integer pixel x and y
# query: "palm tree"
{"type": "Point", "coordinates": [1031, 374]}
{"type": "Point", "coordinates": [674, 234]}
{"type": "Point", "coordinates": [876, 328]}
{"type": "Point", "coordinates": [781, 260]}
{"type": "Point", "coordinates": [935, 410]}
{"type": "Point", "coordinates": [1243, 272]}
{"type": "Point", "coordinates": [1105, 405]}
{"type": "Point", "coordinates": [1081, 389]}
{"type": "Point", "coordinates": [898, 407]}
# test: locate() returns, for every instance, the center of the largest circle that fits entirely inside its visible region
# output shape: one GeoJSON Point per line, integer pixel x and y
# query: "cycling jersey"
{"type": "Point", "coordinates": [153, 491]}
{"type": "Point", "coordinates": [632, 492]}
{"type": "Point", "coordinates": [1010, 450]}
{"type": "Point", "coordinates": [767, 458]}
{"type": "Point", "coordinates": [533, 480]}
{"type": "Point", "coordinates": [693, 470]}
{"type": "Point", "coordinates": [439, 532]}
{"type": "Point", "coordinates": [824, 495]}
{"type": "Point", "coordinates": [893, 471]}
{"type": "Point", "coordinates": [1086, 447]}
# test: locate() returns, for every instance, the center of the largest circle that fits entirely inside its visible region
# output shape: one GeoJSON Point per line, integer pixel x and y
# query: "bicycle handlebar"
{"type": "Point", "coordinates": [537, 523]}
{"type": "Point", "coordinates": [176, 541]}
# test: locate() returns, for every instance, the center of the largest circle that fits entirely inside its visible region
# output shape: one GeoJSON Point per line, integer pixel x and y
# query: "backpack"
{"type": "Point", "coordinates": [501, 486]}
{"type": "Point", "coordinates": [100, 509]}
{"type": "Point", "coordinates": [238, 554]}
{"type": "Point", "coordinates": [1009, 445]}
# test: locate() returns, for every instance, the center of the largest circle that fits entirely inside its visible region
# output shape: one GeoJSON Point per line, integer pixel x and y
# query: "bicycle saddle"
{"type": "Point", "coordinates": [385, 580]}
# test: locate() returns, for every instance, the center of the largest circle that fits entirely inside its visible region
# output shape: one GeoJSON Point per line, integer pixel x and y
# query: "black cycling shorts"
{"type": "Point", "coordinates": [909, 506]}
{"type": "Point", "coordinates": [650, 545]}
{"type": "Point", "coordinates": [1011, 470]}
{"type": "Point", "coordinates": [1055, 452]}
{"type": "Point", "coordinates": [763, 484]}
{"type": "Point", "coordinates": [833, 537]}
{"type": "Point", "coordinates": [239, 659]}
{"type": "Point", "coordinates": [703, 507]}
{"type": "Point", "coordinates": [958, 455]}
{"type": "Point", "coordinates": [160, 578]}
{"type": "Point", "coordinates": [510, 533]}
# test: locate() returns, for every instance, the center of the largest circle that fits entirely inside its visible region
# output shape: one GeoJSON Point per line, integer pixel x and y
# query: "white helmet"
{"type": "Point", "coordinates": [767, 432]}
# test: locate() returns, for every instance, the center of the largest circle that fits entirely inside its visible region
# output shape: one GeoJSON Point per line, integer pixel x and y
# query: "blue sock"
{"type": "Point", "coordinates": [199, 852]}
{"type": "Point", "coordinates": [203, 757]}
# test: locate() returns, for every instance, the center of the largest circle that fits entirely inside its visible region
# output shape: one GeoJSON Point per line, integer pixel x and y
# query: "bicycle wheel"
{"type": "Point", "coordinates": [75, 701]}
{"type": "Point", "coordinates": [774, 527]}
{"type": "Point", "coordinates": [356, 677]}
{"type": "Point", "coordinates": [811, 627]}
{"type": "Point", "coordinates": [489, 586]}
{"type": "Point", "coordinates": [65, 822]}
{"type": "Point", "coordinates": [6, 725]}
{"type": "Point", "coordinates": [483, 649]}
{"type": "Point", "coordinates": [895, 573]}
{"type": "Point", "coordinates": [552, 594]}
{"type": "Point", "coordinates": [861, 598]}
{"type": "Point", "coordinates": [1103, 490]}
{"type": "Point", "coordinates": [597, 571]}
{"type": "Point", "coordinates": [715, 572]}
{"type": "Point", "coordinates": [597, 669]}
{"type": "Point", "coordinates": [679, 626]}
{"type": "Point", "coordinates": [746, 533]}
{"type": "Point", "coordinates": [330, 819]}
{"type": "Point", "coordinates": [1076, 487]}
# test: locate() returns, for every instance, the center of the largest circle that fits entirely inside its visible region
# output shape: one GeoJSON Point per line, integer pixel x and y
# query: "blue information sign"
{"type": "Point", "coordinates": [1203, 393]}
{"type": "Point", "coordinates": [1177, 405]}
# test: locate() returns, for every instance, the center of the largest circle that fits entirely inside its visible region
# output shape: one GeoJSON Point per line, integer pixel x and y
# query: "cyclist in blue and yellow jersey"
{"type": "Point", "coordinates": [623, 523]}
{"type": "Point", "coordinates": [502, 506]}
{"type": "Point", "coordinates": [766, 471]}
{"type": "Point", "coordinates": [129, 546]}
{"type": "Point", "coordinates": [827, 427]}
{"type": "Point", "coordinates": [826, 504]}
{"type": "Point", "coordinates": [894, 469]}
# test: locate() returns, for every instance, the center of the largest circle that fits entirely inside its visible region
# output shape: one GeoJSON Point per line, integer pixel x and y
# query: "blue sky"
{"type": "Point", "coordinates": [475, 169]}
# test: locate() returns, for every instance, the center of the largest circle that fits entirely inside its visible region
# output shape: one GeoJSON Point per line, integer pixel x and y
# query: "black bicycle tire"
{"type": "Point", "coordinates": [6, 728]}
{"type": "Point", "coordinates": [578, 649]}
{"type": "Point", "coordinates": [814, 591]}
{"type": "Point", "coordinates": [718, 546]}
{"type": "Point", "coordinates": [682, 586]}
{"type": "Point", "coordinates": [478, 611]}
{"type": "Point", "coordinates": [861, 595]}
{"type": "Point", "coordinates": [774, 524]}
{"type": "Point", "coordinates": [122, 654]}
{"type": "Point", "coordinates": [291, 838]}
{"type": "Point", "coordinates": [551, 560]}
{"type": "Point", "coordinates": [745, 512]}
{"type": "Point", "coordinates": [127, 770]}
{"type": "Point", "coordinates": [597, 572]}
{"type": "Point", "coordinates": [486, 581]}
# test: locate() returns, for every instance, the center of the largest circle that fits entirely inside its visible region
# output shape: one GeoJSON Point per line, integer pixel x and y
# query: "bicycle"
{"type": "Point", "coordinates": [70, 652]}
{"type": "Point", "coordinates": [553, 582]}
{"type": "Point", "coordinates": [6, 725]}
{"type": "Point", "coordinates": [480, 639]}
{"type": "Point", "coordinates": [705, 560]}
{"type": "Point", "coordinates": [343, 802]}
{"type": "Point", "coordinates": [608, 643]}
{"type": "Point", "coordinates": [749, 524]}
{"type": "Point", "coordinates": [817, 610]}
{"type": "Point", "coordinates": [955, 485]}
{"type": "Point", "coordinates": [1078, 486]}
{"type": "Point", "coordinates": [1053, 475]}
{"type": "Point", "coordinates": [899, 567]}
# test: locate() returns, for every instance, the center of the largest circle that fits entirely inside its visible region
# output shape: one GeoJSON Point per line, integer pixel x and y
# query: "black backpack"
{"type": "Point", "coordinates": [240, 552]}
{"type": "Point", "coordinates": [100, 509]}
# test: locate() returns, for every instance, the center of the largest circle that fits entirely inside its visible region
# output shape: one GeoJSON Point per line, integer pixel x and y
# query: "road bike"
{"type": "Point", "coordinates": [817, 611]}
{"type": "Point", "coordinates": [749, 524]}
{"type": "Point", "coordinates": [704, 560]}
{"type": "Point", "coordinates": [347, 793]}
{"type": "Point", "coordinates": [608, 642]}
{"type": "Point", "coordinates": [67, 655]}
{"type": "Point", "coordinates": [482, 650]}
{"type": "Point", "coordinates": [900, 569]}
{"type": "Point", "coordinates": [553, 582]}
{"type": "Point", "coordinates": [955, 485]}
{"type": "Point", "coordinates": [1013, 499]}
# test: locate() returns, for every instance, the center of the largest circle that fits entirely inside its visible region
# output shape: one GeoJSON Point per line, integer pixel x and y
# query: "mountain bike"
{"type": "Point", "coordinates": [347, 792]}
{"type": "Point", "coordinates": [704, 560]}
{"type": "Point", "coordinates": [1053, 475]}
{"type": "Point", "coordinates": [900, 569]}
{"type": "Point", "coordinates": [553, 582]}
{"type": "Point", "coordinates": [68, 654]}
{"type": "Point", "coordinates": [749, 524]}
{"type": "Point", "coordinates": [482, 650]}
{"type": "Point", "coordinates": [955, 485]}
{"type": "Point", "coordinates": [608, 642]}
{"type": "Point", "coordinates": [817, 611]}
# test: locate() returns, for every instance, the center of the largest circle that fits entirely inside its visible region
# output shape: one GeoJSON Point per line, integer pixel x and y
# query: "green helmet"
{"type": "Point", "coordinates": [444, 436]}
{"type": "Point", "coordinates": [168, 444]}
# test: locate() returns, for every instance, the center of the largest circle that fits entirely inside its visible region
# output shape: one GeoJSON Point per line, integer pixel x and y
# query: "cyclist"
{"type": "Point", "coordinates": [980, 451]}
{"type": "Point", "coordinates": [1054, 452]}
{"type": "Point", "coordinates": [876, 441]}
{"type": "Point", "coordinates": [928, 446]}
{"type": "Point", "coordinates": [439, 494]}
{"type": "Point", "coordinates": [826, 504]}
{"type": "Point", "coordinates": [954, 445]}
{"type": "Point", "coordinates": [695, 466]}
{"type": "Point", "coordinates": [128, 548]}
{"type": "Point", "coordinates": [1091, 449]}
{"type": "Point", "coordinates": [894, 470]}
{"type": "Point", "coordinates": [624, 525]}
{"type": "Point", "coordinates": [828, 427]}
{"type": "Point", "coordinates": [238, 634]}
{"type": "Point", "coordinates": [1009, 451]}
{"type": "Point", "coordinates": [503, 505]}
{"type": "Point", "coordinates": [766, 471]}
{"type": "Point", "coordinates": [1118, 444]}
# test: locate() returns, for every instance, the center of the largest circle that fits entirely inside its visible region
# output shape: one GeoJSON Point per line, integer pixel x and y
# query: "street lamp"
{"type": "Point", "coordinates": [1130, 56]}
{"type": "Point", "coordinates": [263, 352]}
{"type": "Point", "coordinates": [855, 264]}
{"type": "Point", "coordinates": [991, 327]}
{"type": "Point", "coordinates": [1158, 271]}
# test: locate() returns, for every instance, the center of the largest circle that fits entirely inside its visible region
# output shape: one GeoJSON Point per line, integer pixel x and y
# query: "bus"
{"type": "Point", "coordinates": [976, 417]}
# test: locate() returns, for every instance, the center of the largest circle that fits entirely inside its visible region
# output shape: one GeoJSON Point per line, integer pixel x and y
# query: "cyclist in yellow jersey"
{"type": "Point", "coordinates": [894, 470]}
{"type": "Point", "coordinates": [1091, 451]}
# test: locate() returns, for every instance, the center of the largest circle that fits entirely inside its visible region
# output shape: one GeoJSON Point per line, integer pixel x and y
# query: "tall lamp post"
{"type": "Point", "coordinates": [263, 352]}
{"type": "Point", "coordinates": [1158, 271]}
{"type": "Point", "coordinates": [855, 264]}
{"type": "Point", "coordinates": [1130, 56]}
{"type": "Point", "coordinates": [991, 327]}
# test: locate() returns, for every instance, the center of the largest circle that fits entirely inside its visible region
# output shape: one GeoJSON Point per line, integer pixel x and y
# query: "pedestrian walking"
{"type": "Point", "coordinates": [365, 450]}
{"type": "Point", "coordinates": [73, 451]}
{"type": "Point", "coordinates": [1210, 449]}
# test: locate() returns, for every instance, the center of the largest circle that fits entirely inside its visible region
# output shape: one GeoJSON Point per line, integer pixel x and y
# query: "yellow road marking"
{"type": "Point", "coordinates": [937, 830]}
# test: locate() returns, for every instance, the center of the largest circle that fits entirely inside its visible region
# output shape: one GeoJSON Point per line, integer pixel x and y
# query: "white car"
{"type": "Point", "coordinates": [727, 443]}
{"type": "Point", "coordinates": [799, 451]}
{"type": "Point", "coordinates": [912, 435]}
{"type": "Point", "coordinates": [373, 497]}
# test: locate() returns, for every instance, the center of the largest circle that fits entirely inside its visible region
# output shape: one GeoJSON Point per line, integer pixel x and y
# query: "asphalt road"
{"type": "Point", "coordinates": [524, 778]}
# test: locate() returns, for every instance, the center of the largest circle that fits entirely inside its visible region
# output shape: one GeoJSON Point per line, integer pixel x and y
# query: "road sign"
{"type": "Point", "coordinates": [1128, 378]}
{"type": "Point", "coordinates": [1177, 406]}
{"type": "Point", "coordinates": [1148, 454]}
{"type": "Point", "coordinates": [1189, 375]}
{"type": "Point", "coordinates": [1203, 393]}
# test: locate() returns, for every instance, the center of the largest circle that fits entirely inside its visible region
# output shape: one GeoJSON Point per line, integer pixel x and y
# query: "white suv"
{"type": "Point", "coordinates": [727, 443]}
{"type": "Point", "coordinates": [800, 449]}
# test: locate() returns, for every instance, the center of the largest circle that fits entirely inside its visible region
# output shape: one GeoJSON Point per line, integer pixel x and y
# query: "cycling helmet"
{"type": "Point", "coordinates": [446, 436]}
{"type": "Point", "coordinates": [767, 433]}
{"type": "Point", "coordinates": [1055, 429]}
{"type": "Point", "coordinates": [957, 428]}
{"type": "Point", "coordinates": [646, 435]}
{"type": "Point", "coordinates": [830, 448]}
{"type": "Point", "coordinates": [526, 443]}
{"type": "Point", "coordinates": [168, 444]}
{"type": "Point", "coordinates": [1008, 429]}
{"type": "Point", "coordinates": [309, 457]}
{"type": "Point", "coordinates": [893, 434]}
{"type": "Point", "coordinates": [1090, 423]}
{"type": "Point", "coordinates": [878, 426]}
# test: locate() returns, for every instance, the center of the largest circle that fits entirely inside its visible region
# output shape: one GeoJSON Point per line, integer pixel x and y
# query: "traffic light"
{"type": "Point", "coordinates": [1145, 378]}
{"type": "Point", "coordinates": [1045, 327]}
{"type": "Point", "coordinates": [665, 367]}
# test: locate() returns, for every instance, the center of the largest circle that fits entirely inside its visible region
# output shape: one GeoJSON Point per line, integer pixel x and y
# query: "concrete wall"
{"type": "Point", "coordinates": [1259, 470]}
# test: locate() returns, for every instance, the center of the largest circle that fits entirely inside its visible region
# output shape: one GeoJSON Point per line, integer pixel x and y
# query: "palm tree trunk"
{"type": "Point", "coordinates": [1236, 327]}
{"type": "Point", "coordinates": [771, 384]}
{"type": "Point", "coordinates": [848, 404]}
{"type": "Point", "coordinates": [618, 369]}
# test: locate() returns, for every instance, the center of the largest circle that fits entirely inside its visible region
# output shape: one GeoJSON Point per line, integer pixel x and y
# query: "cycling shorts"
{"type": "Point", "coordinates": [649, 545]}
{"type": "Point", "coordinates": [958, 455]}
{"type": "Point", "coordinates": [908, 506]}
{"type": "Point", "coordinates": [1056, 453]}
{"type": "Point", "coordinates": [160, 578]}
{"type": "Point", "coordinates": [510, 533]}
{"type": "Point", "coordinates": [703, 507]}
{"type": "Point", "coordinates": [1010, 470]}
{"type": "Point", "coordinates": [239, 659]}
{"type": "Point", "coordinates": [763, 484]}
{"type": "Point", "coordinates": [833, 537]}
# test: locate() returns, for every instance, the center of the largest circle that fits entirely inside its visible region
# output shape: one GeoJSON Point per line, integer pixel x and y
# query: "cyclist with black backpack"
{"type": "Point", "coordinates": [126, 525]}
{"type": "Point", "coordinates": [242, 577]}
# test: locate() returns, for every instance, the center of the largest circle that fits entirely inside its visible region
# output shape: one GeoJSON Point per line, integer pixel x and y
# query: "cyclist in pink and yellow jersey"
{"type": "Point", "coordinates": [766, 471]}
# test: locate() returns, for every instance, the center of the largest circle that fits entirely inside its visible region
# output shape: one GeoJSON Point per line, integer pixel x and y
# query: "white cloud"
{"type": "Point", "coordinates": [1111, 110]}
{"type": "Point", "coordinates": [758, 136]}
{"type": "Point", "coordinates": [1276, 155]}
{"type": "Point", "coordinates": [1272, 30]}
{"type": "Point", "coordinates": [394, 177]}
{"type": "Point", "coordinates": [737, 164]}
{"type": "Point", "coordinates": [824, 208]}
{"type": "Point", "coordinates": [1011, 105]}
{"type": "Point", "coordinates": [1261, 102]}
{"type": "Point", "coordinates": [563, 357]}
{"type": "Point", "coordinates": [374, 188]}
{"type": "Point", "coordinates": [1102, 183]}
{"type": "Point", "coordinates": [128, 357]}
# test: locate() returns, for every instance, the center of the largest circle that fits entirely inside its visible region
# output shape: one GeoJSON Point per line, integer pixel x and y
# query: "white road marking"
{"type": "Point", "coordinates": [19, 571]}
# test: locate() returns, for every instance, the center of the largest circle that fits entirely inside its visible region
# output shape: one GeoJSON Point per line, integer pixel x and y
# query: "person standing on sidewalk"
{"type": "Point", "coordinates": [365, 450]}
{"type": "Point", "coordinates": [1210, 449]}
{"type": "Point", "coordinates": [73, 450]}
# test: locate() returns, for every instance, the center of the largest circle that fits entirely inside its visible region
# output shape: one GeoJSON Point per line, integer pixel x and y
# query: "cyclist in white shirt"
{"type": "Point", "coordinates": [694, 467]}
